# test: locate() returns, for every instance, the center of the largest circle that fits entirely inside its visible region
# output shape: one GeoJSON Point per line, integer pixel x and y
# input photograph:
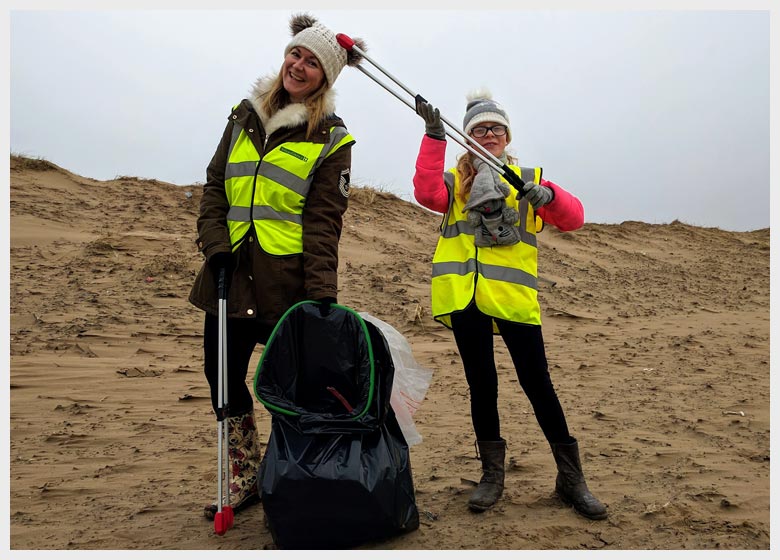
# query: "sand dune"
{"type": "Point", "coordinates": [657, 336]}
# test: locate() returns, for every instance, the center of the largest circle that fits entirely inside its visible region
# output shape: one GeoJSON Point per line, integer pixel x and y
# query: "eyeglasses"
{"type": "Point", "coordinates": [496, 129]}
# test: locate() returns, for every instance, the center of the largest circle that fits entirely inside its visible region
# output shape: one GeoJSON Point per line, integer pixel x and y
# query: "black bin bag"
{"type": "Point", "coordinates": [336, 472]}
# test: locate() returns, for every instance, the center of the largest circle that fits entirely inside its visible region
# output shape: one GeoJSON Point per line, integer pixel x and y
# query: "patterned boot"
{"type": "Point", "coordinates": [244, 453]}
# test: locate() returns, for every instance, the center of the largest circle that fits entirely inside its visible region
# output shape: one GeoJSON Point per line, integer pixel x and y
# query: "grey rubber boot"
{"type": "Point", "coordinates": [491, 485]}
{"type": "Point", "coordinates": [570, 483]}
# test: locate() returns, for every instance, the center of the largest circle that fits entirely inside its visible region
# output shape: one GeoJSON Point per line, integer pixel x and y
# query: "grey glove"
{"type": "Point", "coordinates": [537, 195]}
{"type": "Point", "coordinates": [433, 126]}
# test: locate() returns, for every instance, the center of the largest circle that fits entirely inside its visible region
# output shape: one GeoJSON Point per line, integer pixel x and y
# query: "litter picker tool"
{"type": "Point", "coordinates": [512, 178]}
{"type": "Point", "coordinates": [223, 519]}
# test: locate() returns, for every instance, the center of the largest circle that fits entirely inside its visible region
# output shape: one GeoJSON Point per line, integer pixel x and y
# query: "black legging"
{"type": "Point", "coordinates": [474, 336]}
{"type": "Point", "coordinates": [242, 337]}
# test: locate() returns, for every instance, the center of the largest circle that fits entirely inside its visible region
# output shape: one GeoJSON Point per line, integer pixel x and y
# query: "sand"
{"type": "Point", "coordinates": [657, 338]}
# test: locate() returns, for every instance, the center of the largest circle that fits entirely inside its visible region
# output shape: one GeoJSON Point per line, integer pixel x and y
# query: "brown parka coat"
{"type": "Point", "coordinates": [264, 286]}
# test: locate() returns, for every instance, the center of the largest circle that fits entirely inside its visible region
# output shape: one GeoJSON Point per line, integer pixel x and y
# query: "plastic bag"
{"type": "Point", "coordinates": [336, 471]}
{"type": "Point", "coordinates": [335, 491]}
{"type": "Point", "coordinates": [316, 372]}
{"type": "Point", "coordinates": [410, 383]}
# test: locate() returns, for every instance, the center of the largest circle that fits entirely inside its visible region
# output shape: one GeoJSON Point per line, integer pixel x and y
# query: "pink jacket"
{"type": "Point", "coordinates": [565, 211]}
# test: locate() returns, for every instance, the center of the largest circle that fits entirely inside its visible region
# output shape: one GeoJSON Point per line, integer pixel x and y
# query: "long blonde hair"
{"type": "Point", "coordinates": [466, 171]}
{"type": "Point", "coordinates": [278, 98]}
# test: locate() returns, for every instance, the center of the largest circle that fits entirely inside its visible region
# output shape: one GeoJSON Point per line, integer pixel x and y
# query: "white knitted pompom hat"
{"type": "Point", "coordinates": [308, 33]}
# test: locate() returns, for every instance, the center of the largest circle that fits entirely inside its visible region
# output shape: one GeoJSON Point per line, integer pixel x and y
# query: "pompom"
{"type": "Point", "coordinates": [299, 22]}
{"type": "Point", "coordinates": [353, 58]}
{"type": "Point", "coordinates": [477, 95]}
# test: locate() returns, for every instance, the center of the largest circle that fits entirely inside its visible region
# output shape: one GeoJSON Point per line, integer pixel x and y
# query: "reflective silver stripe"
{"type": "Point", "coordinates": [268, 213]}
{"type": "Point", "coordinates": [505, 274]}
{"type": "Point", "coordinates": [463, 227]}
{"type": "Point", "coordinates": [528, 175]}
{"type": "Point", "coordinates": [242, 214]}
{"type": "Point", "coordinates": [489, 271]}
{"type": "Point", "coordinates": [459, 227]}
{"type": "Point", "coordinates": [284, 177]}
{"type": "Point", "coordinates": [337, 134]}
{"type": "Point", "coordinates": [449, 180]}
{"type": "Point", "coordinates": [234, 137]}
{"type": "Point", "coordinates": [452, 267]}
{"type": "Point", "coordinates": [238, 214]}
{"type": "Point", "coordinates": [525, 236]}
{"type": "Point", "coordinates": [242, 169]}
{"type": "Point", "coordinates": [292, 181]}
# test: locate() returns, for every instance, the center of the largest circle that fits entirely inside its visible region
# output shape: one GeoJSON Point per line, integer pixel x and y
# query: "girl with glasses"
{"type": "Point", "coordinates": [484, 283]}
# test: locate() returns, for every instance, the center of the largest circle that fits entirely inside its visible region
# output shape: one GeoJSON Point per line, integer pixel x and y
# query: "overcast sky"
{"type": "Point", "coordinates": [644, 115]}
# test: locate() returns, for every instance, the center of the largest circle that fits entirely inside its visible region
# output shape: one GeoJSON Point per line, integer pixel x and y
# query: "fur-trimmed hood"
{"type": "Point", "coordinates": [294, 114]}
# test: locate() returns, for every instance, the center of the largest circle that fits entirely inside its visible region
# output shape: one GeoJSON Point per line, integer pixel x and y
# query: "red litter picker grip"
{"type": "Point", "coordinates": [345, 41]}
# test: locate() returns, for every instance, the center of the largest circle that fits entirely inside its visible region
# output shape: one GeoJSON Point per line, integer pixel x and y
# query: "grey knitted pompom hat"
{"type": "Point", "coordinates": [481, 108]}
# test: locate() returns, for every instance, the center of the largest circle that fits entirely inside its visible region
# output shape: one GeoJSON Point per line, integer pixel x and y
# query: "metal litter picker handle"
{"type": "Point", "coordinates": [512, 178]}
{"type": "Point", "coordinates": [223, 519]}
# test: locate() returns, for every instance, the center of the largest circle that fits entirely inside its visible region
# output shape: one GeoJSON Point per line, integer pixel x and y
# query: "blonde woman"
{"type": "Point", "coordinates": [271, 218]}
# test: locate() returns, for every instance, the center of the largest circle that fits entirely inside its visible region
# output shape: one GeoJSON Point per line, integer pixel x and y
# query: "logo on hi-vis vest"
{"type": "Point", "coordinates": [293, 154]}
{"type": "Point", "coordinates": [344, 183]}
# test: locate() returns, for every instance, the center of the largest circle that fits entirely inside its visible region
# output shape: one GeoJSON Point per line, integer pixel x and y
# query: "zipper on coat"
{"type": "Point", "coordinates": [252, 200]}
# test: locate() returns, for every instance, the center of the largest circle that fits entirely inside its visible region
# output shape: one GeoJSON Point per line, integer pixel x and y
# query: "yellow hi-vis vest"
{"type": "Point", "coordinates": [502, 279]}
{"type": "Point", "coordinates": [270, 192]}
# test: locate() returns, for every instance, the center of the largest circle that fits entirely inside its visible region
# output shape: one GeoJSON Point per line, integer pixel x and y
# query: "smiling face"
{"type": "Point", "coordinates": [492, 143]}
{"type": "Point", "coordinates": [302, 73]}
